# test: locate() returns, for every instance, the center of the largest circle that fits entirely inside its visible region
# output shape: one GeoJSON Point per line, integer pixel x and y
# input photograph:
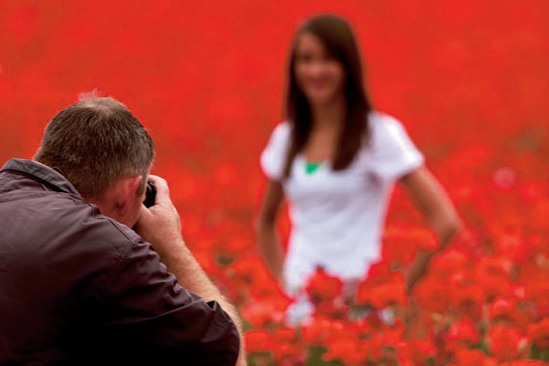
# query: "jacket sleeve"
{"type": "Point", "coordinates": [149, 315]}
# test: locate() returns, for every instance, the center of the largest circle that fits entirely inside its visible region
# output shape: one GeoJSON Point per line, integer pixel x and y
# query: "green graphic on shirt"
{"type": "Point", "coordinates": [310, 168]}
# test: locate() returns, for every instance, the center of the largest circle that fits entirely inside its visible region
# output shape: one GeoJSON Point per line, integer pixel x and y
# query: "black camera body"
{"type": "Point", "coordinates": [150, 195]}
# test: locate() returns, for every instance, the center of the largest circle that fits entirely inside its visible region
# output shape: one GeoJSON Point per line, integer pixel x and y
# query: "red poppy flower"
{"type": "Point", "coordinates": [345, 350]}
{"type": "Point", "coordinates": [538, 334]}
{"type": "Point", "coordinates": [263, 312]}
{"type": "Point", "coordinates": [465, 356]}
{"type": "Point", "coordinates": [258, 340]}
{"type": "Point", "coordinates": [502, 309]}
{"type": "Point", "coordinates": [464, 332]}
{"type": "Point", "coordinates": [383, 287]}
{"type": "Point", "coordinates": [323, 287]}
{"type": "Point", "coordinates": [505, 342]}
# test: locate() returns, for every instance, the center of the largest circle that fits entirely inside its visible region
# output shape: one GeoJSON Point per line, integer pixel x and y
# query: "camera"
{"type": "Point", "coordinates": [150, 195]}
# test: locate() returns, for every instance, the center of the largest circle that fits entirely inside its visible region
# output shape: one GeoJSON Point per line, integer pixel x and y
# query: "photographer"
{"type": "Point", "coordinates": [77, 285]}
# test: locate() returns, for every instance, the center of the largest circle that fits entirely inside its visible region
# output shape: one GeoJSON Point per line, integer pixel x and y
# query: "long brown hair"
{"type": "Point", "coordinates": [338, 38]}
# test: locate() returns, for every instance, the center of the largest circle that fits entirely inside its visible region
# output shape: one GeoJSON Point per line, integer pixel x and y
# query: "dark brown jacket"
{"type": "Point", "coordinates": [77, 287]}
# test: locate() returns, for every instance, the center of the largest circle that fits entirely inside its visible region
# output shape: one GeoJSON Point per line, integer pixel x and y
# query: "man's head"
{"type": "Point", "coordinates": [101, 148]}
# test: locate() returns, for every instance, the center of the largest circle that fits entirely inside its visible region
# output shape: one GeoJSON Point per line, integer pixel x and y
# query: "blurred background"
{"type": "Point", "coordinates": [468, 79]}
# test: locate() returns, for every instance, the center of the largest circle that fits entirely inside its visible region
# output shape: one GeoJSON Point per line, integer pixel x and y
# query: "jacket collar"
{"type": "Point", "coordinates": [52, 177]}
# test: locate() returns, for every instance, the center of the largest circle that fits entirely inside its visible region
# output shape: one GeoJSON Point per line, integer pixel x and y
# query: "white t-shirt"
{"type": "Point", "coordinates": [337, 216]}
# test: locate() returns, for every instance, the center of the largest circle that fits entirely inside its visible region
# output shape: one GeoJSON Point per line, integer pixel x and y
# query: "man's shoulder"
{"type": "Point", "coordinates": [57, 226]}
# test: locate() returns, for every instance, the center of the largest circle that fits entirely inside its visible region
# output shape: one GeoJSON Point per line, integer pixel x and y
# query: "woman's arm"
{"type": "Point", "coordinates": [433, 201]}
{"type": "Point", "coordinates": [269, 242]}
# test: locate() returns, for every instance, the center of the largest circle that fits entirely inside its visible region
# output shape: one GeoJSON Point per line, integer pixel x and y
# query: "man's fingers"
{"type": "Point", "coordinates": [162, 190]}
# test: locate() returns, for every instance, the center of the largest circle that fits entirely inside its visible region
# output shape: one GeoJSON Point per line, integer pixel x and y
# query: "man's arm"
{"type": "Point", "coordinates": [161, 227]}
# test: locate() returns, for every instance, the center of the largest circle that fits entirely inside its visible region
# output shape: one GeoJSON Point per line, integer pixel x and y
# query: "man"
{"type": "Point", "coordinates": [77, 285]}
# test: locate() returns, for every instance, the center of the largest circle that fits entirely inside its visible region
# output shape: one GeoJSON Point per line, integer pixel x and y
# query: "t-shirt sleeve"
{"type": "Point", "coordinates": [393, 152]}
{"type": "Point", "coordinates": [273, 157]}
{"type": "Point", "coordinates": [151, 314]}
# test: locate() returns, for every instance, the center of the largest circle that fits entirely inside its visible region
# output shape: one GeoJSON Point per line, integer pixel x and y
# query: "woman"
{"type": "Point", "coordinates": [335, 160]}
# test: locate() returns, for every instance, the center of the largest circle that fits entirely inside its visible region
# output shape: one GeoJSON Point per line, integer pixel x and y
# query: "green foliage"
{"type": "Point", "coordinates": [539, 354]}
{"type": "Point", "coordinates": [315, 357]}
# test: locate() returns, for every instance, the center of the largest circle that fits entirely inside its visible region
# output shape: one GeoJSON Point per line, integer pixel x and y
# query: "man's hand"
{"type": "Point", "coordinates": [160, 224]}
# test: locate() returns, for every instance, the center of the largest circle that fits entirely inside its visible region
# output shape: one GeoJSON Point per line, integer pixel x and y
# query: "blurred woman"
{"type": "Point", "coordinates": [335, 160]}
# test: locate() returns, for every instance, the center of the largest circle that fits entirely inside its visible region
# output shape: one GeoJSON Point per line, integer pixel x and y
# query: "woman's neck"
{"type": "Point", "coordinates": [329, 115]}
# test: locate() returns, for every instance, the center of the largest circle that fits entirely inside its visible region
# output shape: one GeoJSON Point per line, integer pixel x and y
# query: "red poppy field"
{"type": "Point", "coordinates": [469, 80]}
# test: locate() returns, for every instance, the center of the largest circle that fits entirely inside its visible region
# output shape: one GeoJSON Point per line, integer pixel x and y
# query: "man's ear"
{"type": "Point", "coordinates": [128, 193]}
{"type": "Point", "coordinates": [134, 184]}
{"type": "Point", "coordinates": [119, 200]}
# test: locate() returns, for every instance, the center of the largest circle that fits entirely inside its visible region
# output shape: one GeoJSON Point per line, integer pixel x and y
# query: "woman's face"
{"type": "Point", "coordinates": [319, 75]}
